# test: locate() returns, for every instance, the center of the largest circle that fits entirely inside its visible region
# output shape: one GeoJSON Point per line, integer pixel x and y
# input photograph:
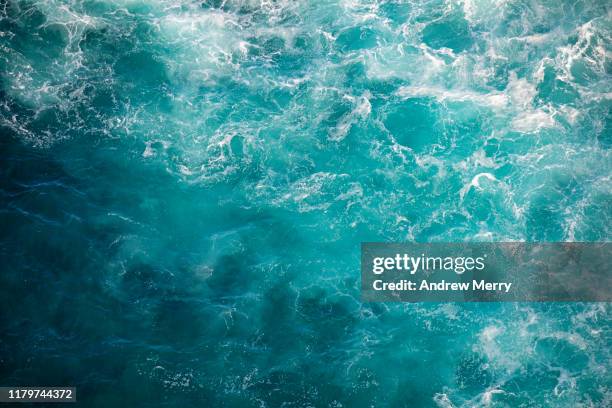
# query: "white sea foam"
{"type": "Point", "coordinates": [475, 183]}
{"type": "Point", "coordinates": [361, 111]}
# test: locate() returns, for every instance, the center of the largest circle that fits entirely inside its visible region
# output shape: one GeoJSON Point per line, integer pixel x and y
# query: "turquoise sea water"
{"type": "Point", "coordinates": [185, 186]}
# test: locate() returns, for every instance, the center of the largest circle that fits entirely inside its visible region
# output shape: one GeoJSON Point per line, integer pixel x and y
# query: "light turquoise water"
{"type": "Point", "coordinates": [185, 186]}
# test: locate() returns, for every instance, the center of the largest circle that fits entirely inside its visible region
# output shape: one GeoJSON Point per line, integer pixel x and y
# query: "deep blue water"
{"type": "Point", "coordinates": [185, 186]}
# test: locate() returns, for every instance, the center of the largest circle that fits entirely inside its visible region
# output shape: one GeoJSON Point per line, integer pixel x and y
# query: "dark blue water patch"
{"type": "Point", "coordinates": [414, 123]}
{"type": "Point", "coordinates": [355, 76]}
{"type": "Point", "coordinates": [397, 12]}
{"type": "Point", "coordinates": [104, 45]}
{"type": "Point", "coordinates": [473, 374]}
{"type": "Point", "coordinates": [555, 90]}
{"type": "Point", "coordinates": [356, 38]}
{"type": "Point", "coordinates": [143, 73]}
{"type": "Point", "coordinates": [452, 32]}
{"type": "Point", "coordinates": [543, 221]}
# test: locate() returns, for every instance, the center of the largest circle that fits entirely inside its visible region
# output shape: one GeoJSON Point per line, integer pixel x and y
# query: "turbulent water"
{"type": "Point", "coordinates": [185, 186]}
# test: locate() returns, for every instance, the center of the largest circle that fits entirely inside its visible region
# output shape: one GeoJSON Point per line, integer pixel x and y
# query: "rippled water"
{"type": "Point", "coordinates": [185, 185]}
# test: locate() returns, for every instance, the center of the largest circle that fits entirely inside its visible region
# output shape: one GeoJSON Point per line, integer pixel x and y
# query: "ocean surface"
{"type": "Point", "coordinates": [184, 187]}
